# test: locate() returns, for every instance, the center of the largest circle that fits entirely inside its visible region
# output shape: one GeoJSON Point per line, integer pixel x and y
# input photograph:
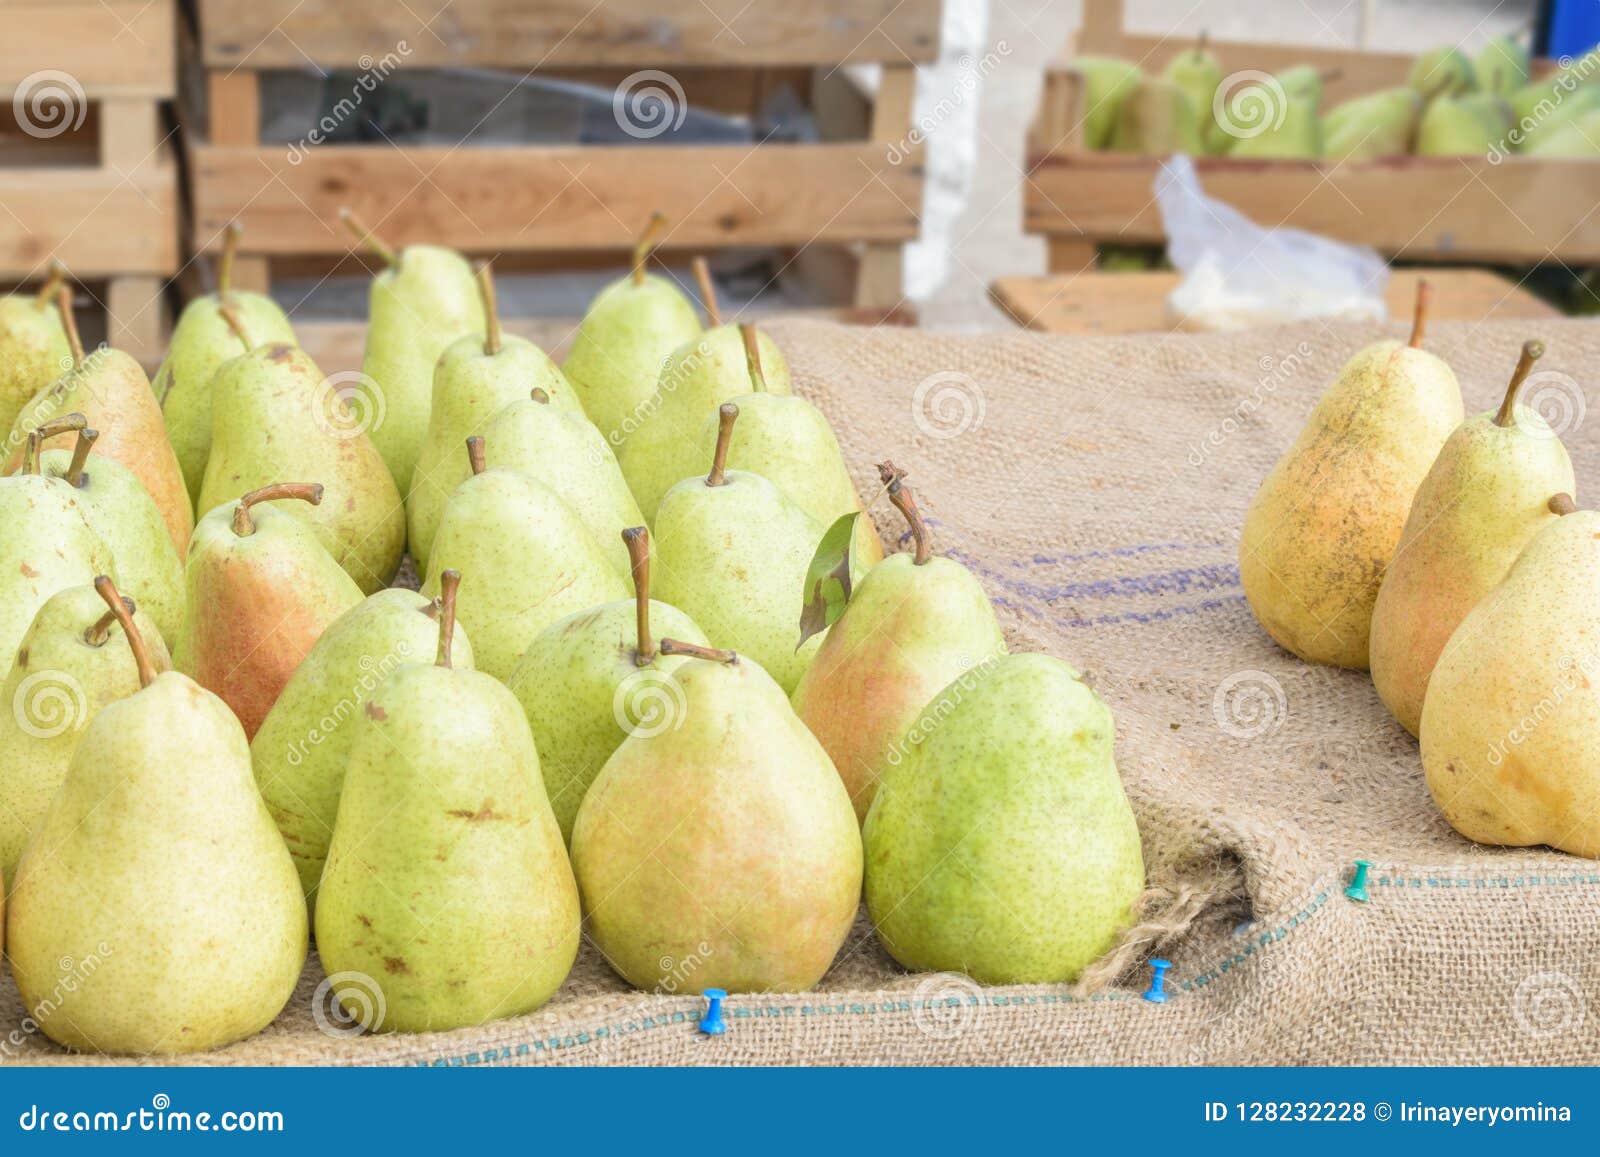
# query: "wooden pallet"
{"type": "Point", "coordinates": [841, 195]}
{"type": "Point", "coordinates": [89, 177]}
{"type": "Point", "coordinates": [1517, 210]}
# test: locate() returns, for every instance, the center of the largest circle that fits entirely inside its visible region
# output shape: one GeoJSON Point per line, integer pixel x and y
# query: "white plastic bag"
{"type": "Point", "coordinates": [1238, 275]}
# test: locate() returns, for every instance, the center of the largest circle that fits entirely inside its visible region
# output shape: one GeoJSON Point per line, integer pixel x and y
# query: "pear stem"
{"type": "Point", "coordinates": [491, 315]}
{"type": "Point", "coordinates": [80, 457]}
{"type": "Point", "coordinates": [752, 356]}
{"type": "Point", "coordinates": [475, 454]}
{"type": "Point", "coordinates": [230, 316]}
{"type": "Point", "coordinates": [367, 238]}
{"type": "Point", "coordinates": [244, 525]}
{"type": "Point", "coordinates": [708, 291]}
{"type": "Point", "coordinates": [69, 323]}
{"type": "Point", "coordinates": [1419, 313]}
{"type": "Point", "coordinates": [1532, 351]}
{"type": "Point", "coordinates": [141, 653]}
{"type": "Point", "coordinates": [696, 651]}
{"type": "Point", "coordinates": [448, 582]}
{"type": "Point", "coordinates": [1201, 41]}
{"type": "Point", "coordinates": [540, 396]}
{"type": "Point", "coordinates": [65, 424]}
{"type": "Point", "coordinates": [53, 282]}
{"type": "Point", "coordinates": [30, 455]}
{"type": "Point", "coordinates": [638, 541]}
{"type": "Point", "coordinates": [646, 244]}
{"type": "Point", "coordinates": [1562, 504]}
{"type": "Point", "coordinates": [100, 630]}
{"type": "Point", "coordinates": [230, 249]}
{"type": "Point", "coordinates": [1329, 75]}
{"type": "Point", "coordinates": [894, 478]}
{"type": "Point", "coordinates": [726, 413]}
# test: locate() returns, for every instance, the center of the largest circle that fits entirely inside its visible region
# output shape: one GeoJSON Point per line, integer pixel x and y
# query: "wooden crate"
{"type": "Point", "coordinates": [840, 204]}
{"type": "Point", "coordinates": [1517, 210]}
{"type": "Point", "coordinates": [89, 176]}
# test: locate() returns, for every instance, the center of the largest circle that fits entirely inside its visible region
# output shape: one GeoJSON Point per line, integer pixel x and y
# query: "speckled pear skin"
{"type": "Point", "coordinates": [583, 693]}
{"type": "Point", "coordinates": [663, 448]}
{"type": "Point", "coordinates": [120, 510]}
{"type": "Point", "coordinates": [414, 311]}
{"type": "Point", "coordinates": [562, 449]}
{"type": "Point", "coordinates": [734, 559]}
{"type": "Point", "coordinates": [301, 751]}
{"type": "Point", "coordinates": [617, 353]}
{"type": "Point", "coordinates": [726, 842]}
{"type": "Point", "coordinates": [33, 351]}
{"type": "Point", "coordinates": [1002, 845]}
{"type": "Point", "coordinates": [1512, 713]}
{"type": "Point", "coordinates": [447, 881]}
{"type": "Point", "coordinates": [469, 388]}
{"type": "Point", "coordinates": [788, 442]}
{"type": "Point", "coordinates": [109, 389]}
{"type": "Point", "coordinates": [529, 558]}
{"type": "Point", "coordinates": [1327, 519]}
{"type": "Point", "coordinates": [257, 604]}
{"type": "Point", "coordinates": [158, 860]}
{"type": "Point", "coordinates": [59, 682]}
{"type": "Point", "coordinates": [46, 544]}
{"type": "Point", "coordinates": [201, 342]}
{"type": "Point", "coordinates": [1484, 499]}
{"type": "Point", "coordinates": [907, 632]}
{"type": "Point", "coordinates": [276, 418]}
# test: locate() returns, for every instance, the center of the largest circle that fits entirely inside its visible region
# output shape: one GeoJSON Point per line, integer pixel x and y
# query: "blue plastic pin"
{"type": "Point", "coordinates": [1157, 993]}
{"type": "Point", "coordinates": [1357, 890]}
{"type": "Point", "coordinates": [713, 1022]}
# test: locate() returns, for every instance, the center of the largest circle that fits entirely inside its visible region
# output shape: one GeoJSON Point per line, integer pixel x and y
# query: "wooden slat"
{"type": "Point", "coordinates": [97, 221]}
{"type": "Point", "coordinates": [488, 199]}
{"type": "Point", "coordinates": [262, 34]}
{"type": "Point", "coordinates": [882, 275]}
{"type": "Point", "coordinates": [109, 47]}
{"type": "Point", "coordinates": [1437, 208]}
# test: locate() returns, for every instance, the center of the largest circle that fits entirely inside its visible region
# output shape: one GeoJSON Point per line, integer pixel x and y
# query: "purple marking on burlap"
{"type": "Point", "coordinates": [1127, 617]}
{"type": "Point", "coordinates": [1183, 580]}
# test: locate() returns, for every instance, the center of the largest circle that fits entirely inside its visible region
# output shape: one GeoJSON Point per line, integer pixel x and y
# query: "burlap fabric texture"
{"type": "Point", "coordinates": [1097, 487]}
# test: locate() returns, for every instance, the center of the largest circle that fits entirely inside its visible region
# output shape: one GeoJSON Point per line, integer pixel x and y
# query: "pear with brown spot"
{"type": "Point", "coordinates": [447, 882]}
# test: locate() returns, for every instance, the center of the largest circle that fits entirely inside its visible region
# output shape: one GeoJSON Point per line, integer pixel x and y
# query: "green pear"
{"type": "Point", "coordinates": [33, 346]}
{"type": "Point", "coordinates": [531, 558]}
{"type": "Point", "coordinates": [447, 883]}
{"type": "Point", "coordinates": [1545, 107]}
{"type": "Point", "coordinates": [1501, 66]}
{"type": "Point", "coordinates": [201, 341]}
{"type": "Point", "coordinates": [1157, 119]}
{"type": "Point", "coordinates": [158, 860]}
{"type": "Point", "coordinates": [71, 663]}
{"type": "Point", "coordinates": [301, 752]}
{"type": "Point", "coordinates": [590, 680]}
{"type": "Point", "coordinates": [1483, 499]}
{"type": "Point", "coordinates": [1290, 127]}
{"type": "Point", "coordinates": [725, 840]}
{"type": "Point", "coordinates": [120, 510]}
{"type": "Point", "coordinates": [1326, 521]}
{"type": "Point", "coordinates": [46, 545]}
{"type": "Point", "coordinates": [664, 447]}
{"type": "Point", "coordinates": [1002, 846]}
{"type": "Point", "coordinates": [1513, 705]}
{"type": "Point", "coordinates": [477, 377]}
{"type": "Point", "coordinates": [260, 589]}
{"type": "Point", "coordinates": [1105, 84]}
{"type": "Point", "coordinates": [630, 329]}
{"type": "Point", "coordinates": [1465, 126]}
{"type": "Point", "coordinates": [276, 416]}
{"type": "Point", "coordinates": [423, 301]}
{"type": "Point", "coordinates": [914, 624]}
{"type": "Point", "coordinates": [1197, 72]}
{"type": "Point", "coordinates": [734, 553]}
{"type": "Point", "coordinates": [1575, 137]}
{"type": "Point", "coordinates": [1444, 71]}
{"type": "Point", "coordinates": [1379, 124]}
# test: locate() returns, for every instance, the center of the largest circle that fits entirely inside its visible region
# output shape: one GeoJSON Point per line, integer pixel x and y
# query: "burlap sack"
{"type": "Point", "coordinates": [1097, 487]}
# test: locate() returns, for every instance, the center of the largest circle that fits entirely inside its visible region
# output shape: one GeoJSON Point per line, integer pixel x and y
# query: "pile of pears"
{"type": "Point", "coordinates": [660, 685]}
{"type": "Point", "coordinates": [1446, 555]}
{"type": "Point", "coordinates": [1452, 105]}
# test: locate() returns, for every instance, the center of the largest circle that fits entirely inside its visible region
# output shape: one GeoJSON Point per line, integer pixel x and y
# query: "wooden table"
{"type": "Point", "coordinates": [1118, 303]}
